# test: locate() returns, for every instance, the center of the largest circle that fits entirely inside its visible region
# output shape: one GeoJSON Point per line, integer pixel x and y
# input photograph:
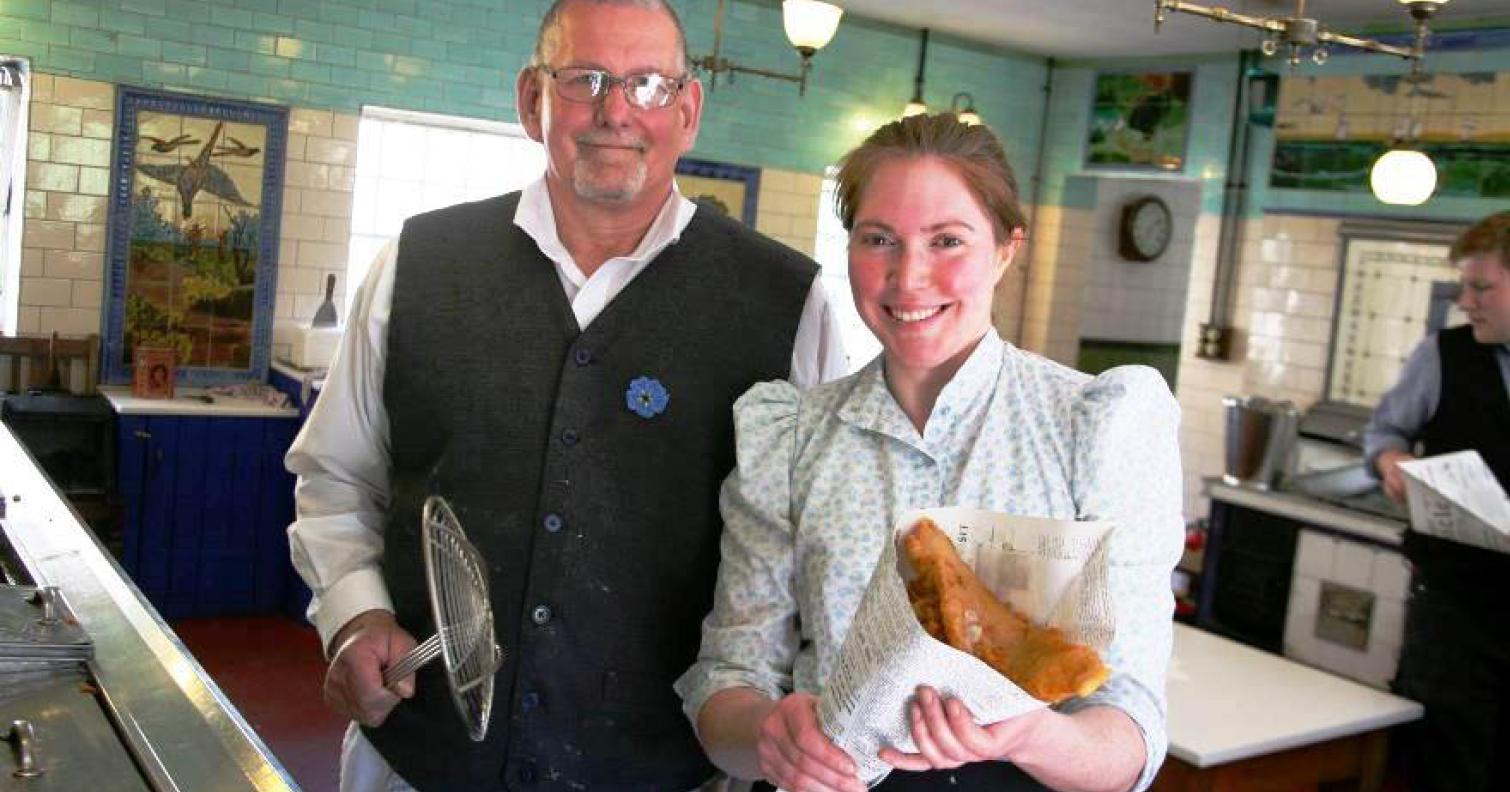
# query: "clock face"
{"type": "Point", "coordinates": [1146, 228]}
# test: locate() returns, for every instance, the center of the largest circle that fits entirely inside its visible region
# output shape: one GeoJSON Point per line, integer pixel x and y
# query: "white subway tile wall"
{"type": "Point", "coordinates": [786, 208]}
{"type": "Point", "coordinates": [316, 222]}
{"type": "Point", "coordinates": [1137, 301]}
{"type": "Point", "coordinates": [1286, 289]}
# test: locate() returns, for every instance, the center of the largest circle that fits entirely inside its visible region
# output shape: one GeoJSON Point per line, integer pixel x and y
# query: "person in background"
{"type": "Point", "coordinates": [948, 415]}
{"type": "Point", "coordinates": [1455, 657]}
{"type": "Point", "coordinates": [560, 365]}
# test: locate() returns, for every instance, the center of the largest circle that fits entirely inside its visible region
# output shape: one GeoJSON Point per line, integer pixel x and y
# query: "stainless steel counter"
{"type": "Point", "coordinates": [183, 732]}
{"type": "Point", "coordinates": [1310, 510]}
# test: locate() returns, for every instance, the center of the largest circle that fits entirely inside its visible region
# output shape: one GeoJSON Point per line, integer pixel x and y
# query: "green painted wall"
{"type": "Point", "coordinates": [460, 57]}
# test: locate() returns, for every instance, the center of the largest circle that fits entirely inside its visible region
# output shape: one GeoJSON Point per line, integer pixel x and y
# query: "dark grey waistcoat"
{"type": "Point", "coordinates": [600, 526]}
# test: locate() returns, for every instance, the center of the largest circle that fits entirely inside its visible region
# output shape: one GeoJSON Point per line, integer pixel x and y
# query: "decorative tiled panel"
{"type": "Point", "coordinates": [1391, 293]}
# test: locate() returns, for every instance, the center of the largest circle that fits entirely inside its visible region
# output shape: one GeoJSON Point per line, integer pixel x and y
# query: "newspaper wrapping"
{"type": "Point", "coordinates": [1055, 571]}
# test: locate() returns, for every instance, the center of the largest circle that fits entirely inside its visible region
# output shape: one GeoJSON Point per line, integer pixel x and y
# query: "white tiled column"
{"type": "Point", "coordinates": [67, 187]}
{"type": "Point", "coordinates": [316, 223]}
{"type": "Point", "coordinates": [787, 207]}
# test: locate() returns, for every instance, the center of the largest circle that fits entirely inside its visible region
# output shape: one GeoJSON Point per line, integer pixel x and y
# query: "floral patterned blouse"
{"type": "Point", "coordinates": [823, 474]}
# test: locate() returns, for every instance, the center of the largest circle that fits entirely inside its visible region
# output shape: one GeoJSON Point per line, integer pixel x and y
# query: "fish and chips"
{"type": "Point", "coordinates": [956, 608]}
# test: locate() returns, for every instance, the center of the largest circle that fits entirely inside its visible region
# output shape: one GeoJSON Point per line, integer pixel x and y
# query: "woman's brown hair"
{"type": "Point", "coordinates": [973, 150]}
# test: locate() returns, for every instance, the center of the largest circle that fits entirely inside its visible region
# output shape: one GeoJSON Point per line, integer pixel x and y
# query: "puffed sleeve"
{"type": "Point", "coordinates": [750, 638]}
{"type": "Point", "coordinates": [1127, 469]}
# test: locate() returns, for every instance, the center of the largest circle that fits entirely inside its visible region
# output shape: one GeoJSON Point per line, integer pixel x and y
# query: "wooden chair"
{"type": "Point", "coordinates": [49, 363]}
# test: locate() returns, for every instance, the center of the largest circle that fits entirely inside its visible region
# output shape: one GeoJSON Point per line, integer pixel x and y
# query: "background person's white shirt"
{"type": "Point", "coordinates": [341, 456]}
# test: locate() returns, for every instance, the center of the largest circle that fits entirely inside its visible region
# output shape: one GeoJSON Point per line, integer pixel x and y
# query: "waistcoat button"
{"type": "Point", "coordinates": [540, 615]}
{"type": "Point", "coordinates": [553, 522]}
{"type": "Point", "coordinates": [569, 436]}
{"type": "Point", "coordinates": [583, 357]}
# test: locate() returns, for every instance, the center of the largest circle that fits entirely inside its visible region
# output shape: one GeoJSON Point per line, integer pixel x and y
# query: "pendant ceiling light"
{"type": "Point", "coordinates": [809, 24]}
{"type": "Point", "coordinates": [1404, 177]}
{"type": "Point", "coordinates": [917, 106]}
{"type": "Point", "coordinates": [966, 114]}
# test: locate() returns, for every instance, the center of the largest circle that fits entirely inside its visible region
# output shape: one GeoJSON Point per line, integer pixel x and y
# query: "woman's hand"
{"type": "Point", "coordinates": [947, 735]}
{"type": "Point", "coordinates": [796, 755]}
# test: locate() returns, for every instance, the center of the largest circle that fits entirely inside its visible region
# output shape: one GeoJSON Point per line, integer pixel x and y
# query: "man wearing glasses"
{"type": "Point", "coordinates": [560, 364]}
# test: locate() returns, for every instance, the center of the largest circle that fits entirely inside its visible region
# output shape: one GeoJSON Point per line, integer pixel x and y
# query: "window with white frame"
{"type": "Point", "coordinates": [409, 162]}
{"type": "Point", "coordinates": [831, 249]}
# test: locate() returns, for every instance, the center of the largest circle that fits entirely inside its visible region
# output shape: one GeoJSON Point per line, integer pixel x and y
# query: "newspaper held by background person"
{"type": "Point", "coordinates": [1054, 571]}
{"type": "Point", "coordinates": [1455, 496]}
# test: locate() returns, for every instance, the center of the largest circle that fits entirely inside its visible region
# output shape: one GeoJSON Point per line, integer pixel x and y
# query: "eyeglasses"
{"type": "Point", "coordinates": [646, 91]}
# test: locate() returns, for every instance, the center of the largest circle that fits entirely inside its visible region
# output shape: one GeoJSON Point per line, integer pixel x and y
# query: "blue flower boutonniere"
{"type": "Point", "coordinates": [647, 397]}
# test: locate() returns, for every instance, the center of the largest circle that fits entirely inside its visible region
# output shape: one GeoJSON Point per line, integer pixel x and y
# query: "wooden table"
{"type": "Point", "coordinates": [1245, 720]}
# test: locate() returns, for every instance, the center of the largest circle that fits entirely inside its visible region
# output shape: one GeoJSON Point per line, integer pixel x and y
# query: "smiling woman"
{"type": "Point", "coordinates": [948, 415]}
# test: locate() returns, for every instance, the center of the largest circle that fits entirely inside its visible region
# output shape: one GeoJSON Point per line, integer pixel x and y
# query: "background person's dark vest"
{"type": "Point", "coordinates": [1473, 412]}
{"type": "Point", "coordinates": [600, 527]}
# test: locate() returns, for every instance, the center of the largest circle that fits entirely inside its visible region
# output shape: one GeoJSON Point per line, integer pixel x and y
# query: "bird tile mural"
{"type": "Point", "coordinates": [193, 233]}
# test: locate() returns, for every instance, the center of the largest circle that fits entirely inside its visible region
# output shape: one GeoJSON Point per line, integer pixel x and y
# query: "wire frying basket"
{"type": "Point", "coordinates": [458, 584]}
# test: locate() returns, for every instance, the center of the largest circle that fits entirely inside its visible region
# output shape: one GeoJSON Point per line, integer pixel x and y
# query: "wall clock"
{"type": "Point", "coordinates": [1145, 229]}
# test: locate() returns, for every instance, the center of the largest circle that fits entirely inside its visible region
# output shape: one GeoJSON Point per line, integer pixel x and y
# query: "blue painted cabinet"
{"type": "Point", "coordinates": [207, 503]}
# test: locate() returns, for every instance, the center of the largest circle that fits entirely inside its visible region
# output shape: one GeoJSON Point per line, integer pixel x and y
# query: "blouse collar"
{"type": "Point", "coordinates": [871, 406]}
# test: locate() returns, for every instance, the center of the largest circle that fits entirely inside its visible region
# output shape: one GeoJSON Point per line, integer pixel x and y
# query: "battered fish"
{"type": "Point", "coordinates": [956, 608]}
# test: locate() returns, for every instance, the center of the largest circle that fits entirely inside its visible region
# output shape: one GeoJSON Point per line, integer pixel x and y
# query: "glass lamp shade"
{"type": "Point", "coordinates": [810, 24]}
{"type": "Point", "coordinates": [1403, 177]}
{"type": "Point", "coordinates": [913, 108]}
{"type": "Point", "coordinates": [969, 117]}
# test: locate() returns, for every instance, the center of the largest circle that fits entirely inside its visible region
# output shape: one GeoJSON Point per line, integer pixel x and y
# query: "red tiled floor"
{"type": "Point", "coordinates": [271, 668]}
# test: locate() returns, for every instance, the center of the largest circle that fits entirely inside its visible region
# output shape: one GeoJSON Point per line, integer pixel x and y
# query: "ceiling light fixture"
{"type": "Point", "coordinates": [1404, 175]}
{"type": "Point", "coordinates": [810, 24]}
{"type": "Point", "coordinates": [967, 116]}
{"type": "Point", "coordinates": [1299, 32]}
{"type": "Point", "coordinates": [917, 106]}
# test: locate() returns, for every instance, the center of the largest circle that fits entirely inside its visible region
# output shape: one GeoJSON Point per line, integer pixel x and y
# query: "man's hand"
{"type": "Point", "coordinates": [796, 754]}
{"type": "Point", "coordinates": [1388, 463]}
{"type": "Point", "coordinates": [364, 646]}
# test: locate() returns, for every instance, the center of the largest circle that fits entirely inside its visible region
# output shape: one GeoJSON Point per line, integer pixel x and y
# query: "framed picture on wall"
{"type": "Point", "coordinates": [192, 246]}
{"type": "Point", "coordinates": [1139, 120]}
{"type": "Point", "coordinates": [730, 189]}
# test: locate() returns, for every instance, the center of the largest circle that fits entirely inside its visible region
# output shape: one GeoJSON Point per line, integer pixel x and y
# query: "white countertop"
{"type": "Point", "coordinates": [1310, 510]}
{"type": "Point", "coordinates": [1229, 701]}
{"type": "Point", "coordinates": [187, 402]}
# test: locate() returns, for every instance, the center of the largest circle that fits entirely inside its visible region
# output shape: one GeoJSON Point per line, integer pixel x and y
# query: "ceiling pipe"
{"type": "Point", "coordinates": [1215, 339]}
{"type": "Point", "coordinates": [1037, 193]}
